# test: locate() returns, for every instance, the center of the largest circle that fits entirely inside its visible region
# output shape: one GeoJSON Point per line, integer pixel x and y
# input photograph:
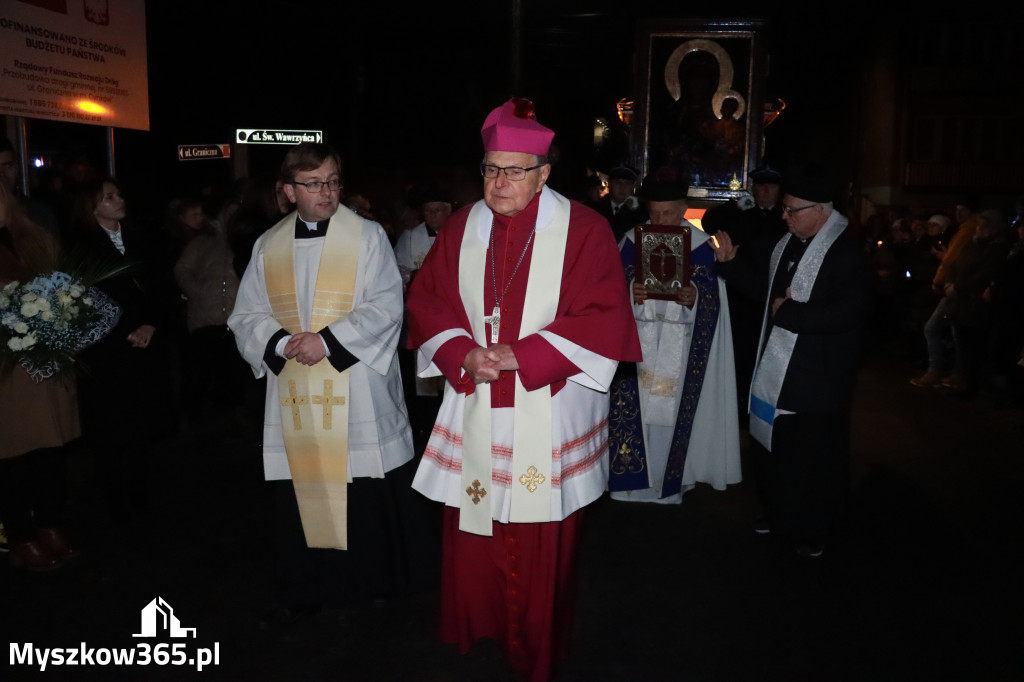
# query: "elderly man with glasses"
{"type": "Point", "coordinates": [320, 309]}
{"type": "Point", "coordinates": [816, 293]}
{"type": "Point", "coordinates": [522, 307]}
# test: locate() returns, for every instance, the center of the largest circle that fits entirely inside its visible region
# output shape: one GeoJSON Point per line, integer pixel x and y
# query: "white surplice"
{"type": "Point", "coordinates": [713, 455]}
{"type": "Point", "coordinates": [379, 436]}
{"type": "Point", "coordinates": [412, 247]}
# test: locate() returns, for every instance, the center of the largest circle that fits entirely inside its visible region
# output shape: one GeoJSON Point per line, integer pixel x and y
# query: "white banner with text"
{"type": "Point", "coordinates": [80, 61]}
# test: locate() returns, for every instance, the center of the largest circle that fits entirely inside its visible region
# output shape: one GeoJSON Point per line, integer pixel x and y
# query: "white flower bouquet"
{"type": "Point", "coordinates": [45, 323]}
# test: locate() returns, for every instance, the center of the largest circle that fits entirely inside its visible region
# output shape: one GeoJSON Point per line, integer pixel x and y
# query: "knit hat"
{"type": "Point", "coordinates": [664, 184]}
{"type": "Point", "coordinates": [810, 182]}
{"type": "Point", "coordinates": [432, 193]}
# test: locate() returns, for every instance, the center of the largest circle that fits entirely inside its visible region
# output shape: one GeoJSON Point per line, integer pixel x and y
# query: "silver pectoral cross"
{"type": "Point", "coordinates": [494, 319]}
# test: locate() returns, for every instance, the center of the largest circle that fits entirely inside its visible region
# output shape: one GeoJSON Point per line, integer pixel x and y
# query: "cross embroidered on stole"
{"type": "Point", "coordinates": [534, 432]}
{"type": "Point", "coordinates": [317, 449]}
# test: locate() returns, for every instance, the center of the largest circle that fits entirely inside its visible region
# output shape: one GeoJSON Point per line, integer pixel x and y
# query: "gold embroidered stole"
{"type": "Point", "coordinates": [534, 436]}
{"type": "Point", "coordinates": [315, 400]}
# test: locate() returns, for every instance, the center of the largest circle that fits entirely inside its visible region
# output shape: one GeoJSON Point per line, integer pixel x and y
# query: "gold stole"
{"type": "Point", "coordinates": [315, 400]}
{"type": "Point", "coordinates": [534, 435]}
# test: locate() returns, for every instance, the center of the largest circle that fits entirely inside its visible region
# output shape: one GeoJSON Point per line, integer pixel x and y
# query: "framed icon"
{"type": "Point", "coordinates": [702, 106]}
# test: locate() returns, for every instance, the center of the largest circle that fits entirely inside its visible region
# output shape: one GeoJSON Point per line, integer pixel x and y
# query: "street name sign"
{"type": "Point", "coordinates": [197, 152]}
{"type": "Point", "coordinates": [261, 136]}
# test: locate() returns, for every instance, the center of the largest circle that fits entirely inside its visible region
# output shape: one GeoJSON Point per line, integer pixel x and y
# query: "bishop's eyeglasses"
{"type": "Point", "coordinates": [316, 186]}
{"type": "Point", "coordinates": [513, 173]}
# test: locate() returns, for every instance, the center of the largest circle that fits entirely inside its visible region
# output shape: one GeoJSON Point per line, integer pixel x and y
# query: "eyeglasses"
{"type": "Point", "coordinates": [513, 173]}
{"type": "Point", "coordinates": [789, 210]}
{"type": "Point", "coordinates": [316, 186]}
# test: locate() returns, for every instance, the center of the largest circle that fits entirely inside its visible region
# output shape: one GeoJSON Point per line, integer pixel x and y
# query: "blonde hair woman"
{"type": "Point", "coordinates": [36, 420]}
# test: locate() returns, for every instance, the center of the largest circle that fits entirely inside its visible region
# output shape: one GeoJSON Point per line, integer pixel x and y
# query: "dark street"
{"type": "Point", "coordinates": [926, 581]}
{"type": "Point", "coordinates": [913, 122]}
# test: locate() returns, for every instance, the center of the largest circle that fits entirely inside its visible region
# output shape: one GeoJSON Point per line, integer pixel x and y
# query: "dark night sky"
{"type": "Point", "coordinates": [401, 90]}
{"type": "Point", "coordinates": [414, 85]}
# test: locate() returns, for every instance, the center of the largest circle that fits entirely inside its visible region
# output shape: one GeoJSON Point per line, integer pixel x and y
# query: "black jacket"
{"type": "Point", "coordinates": [822, 370]}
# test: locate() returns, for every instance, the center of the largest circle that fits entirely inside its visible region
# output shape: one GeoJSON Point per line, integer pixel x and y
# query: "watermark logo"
{"type": "Point", "coordinates": [158, 615]}
{"type": "Point", "coordinates": [158, 620]}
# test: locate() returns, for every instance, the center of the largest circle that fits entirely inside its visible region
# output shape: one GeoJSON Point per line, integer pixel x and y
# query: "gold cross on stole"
{"type": "Point", "coordinates": [328, 400]}
{"type": "Point", "coordinates": [531, 479]}
{"type": "Point", "coordinates": [476, 491]}
{"type": "Point", "coordinates": [294, 399]}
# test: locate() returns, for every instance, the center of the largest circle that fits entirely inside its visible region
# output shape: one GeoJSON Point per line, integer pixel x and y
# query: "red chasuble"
{"type": "Point", "coordinates": [515, 585]}
{"type": "Point", "coordinates": [590, 311]}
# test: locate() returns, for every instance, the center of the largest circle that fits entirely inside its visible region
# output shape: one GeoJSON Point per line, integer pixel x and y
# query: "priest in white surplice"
{"type": "Point", "coordinates": [522, 307]}
{"type": "Point", "coordinates": [410, 252]}
{"type": "Point", "coordinates": [674, 420]}
{"type": "Point", "coordinates": [335, 419]}
{"type": "Point", "coordinates": [414, 243]}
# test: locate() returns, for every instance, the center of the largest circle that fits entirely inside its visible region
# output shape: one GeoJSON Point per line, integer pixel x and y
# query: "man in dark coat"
{"type": "Point", "coordinates": [754, 222]}
{"type": "Point", "coordinates": [757, 216]}
{"type": "Point", "coordinates": [816, 293]}
{"type": "Point", "coordinates": [620, 206]}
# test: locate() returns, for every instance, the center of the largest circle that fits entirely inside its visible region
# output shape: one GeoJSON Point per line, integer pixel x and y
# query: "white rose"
{"type": "Point", "coordinates": [43, 303]}
{"type": "Point", "coordinates": [14, 343]}
{"type": "Point", "coordinates": [29, 309]}
{"type": "Point", "coordinates": [86, 301]}
{"type": "Point", "coordinates": [21, 328]}
{"type": "Point", "coordinates": [28, 341]}
{"type": "Point", "coordinates": [46, 315]}
{"type": "Point", "coordinates": [64, 298]}
{"type": "Point", "coordinates": [11, 286]}
{"type": "Point", "coordinates": [5, 300]}
{"type": "Point", "coordinates": [28, 296]}
{"type": "Point", "coordinates": [77, 290]}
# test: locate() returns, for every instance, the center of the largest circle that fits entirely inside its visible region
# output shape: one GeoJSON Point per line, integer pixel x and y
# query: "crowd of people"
{"type": "Point", "coordinates": [505, 358]}
{"type": "Point", "coordinates": [950, 293]}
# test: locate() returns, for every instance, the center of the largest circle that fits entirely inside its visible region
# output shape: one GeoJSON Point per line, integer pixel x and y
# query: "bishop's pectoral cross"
{"type": "Point", "coordinates": [494, 319]}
